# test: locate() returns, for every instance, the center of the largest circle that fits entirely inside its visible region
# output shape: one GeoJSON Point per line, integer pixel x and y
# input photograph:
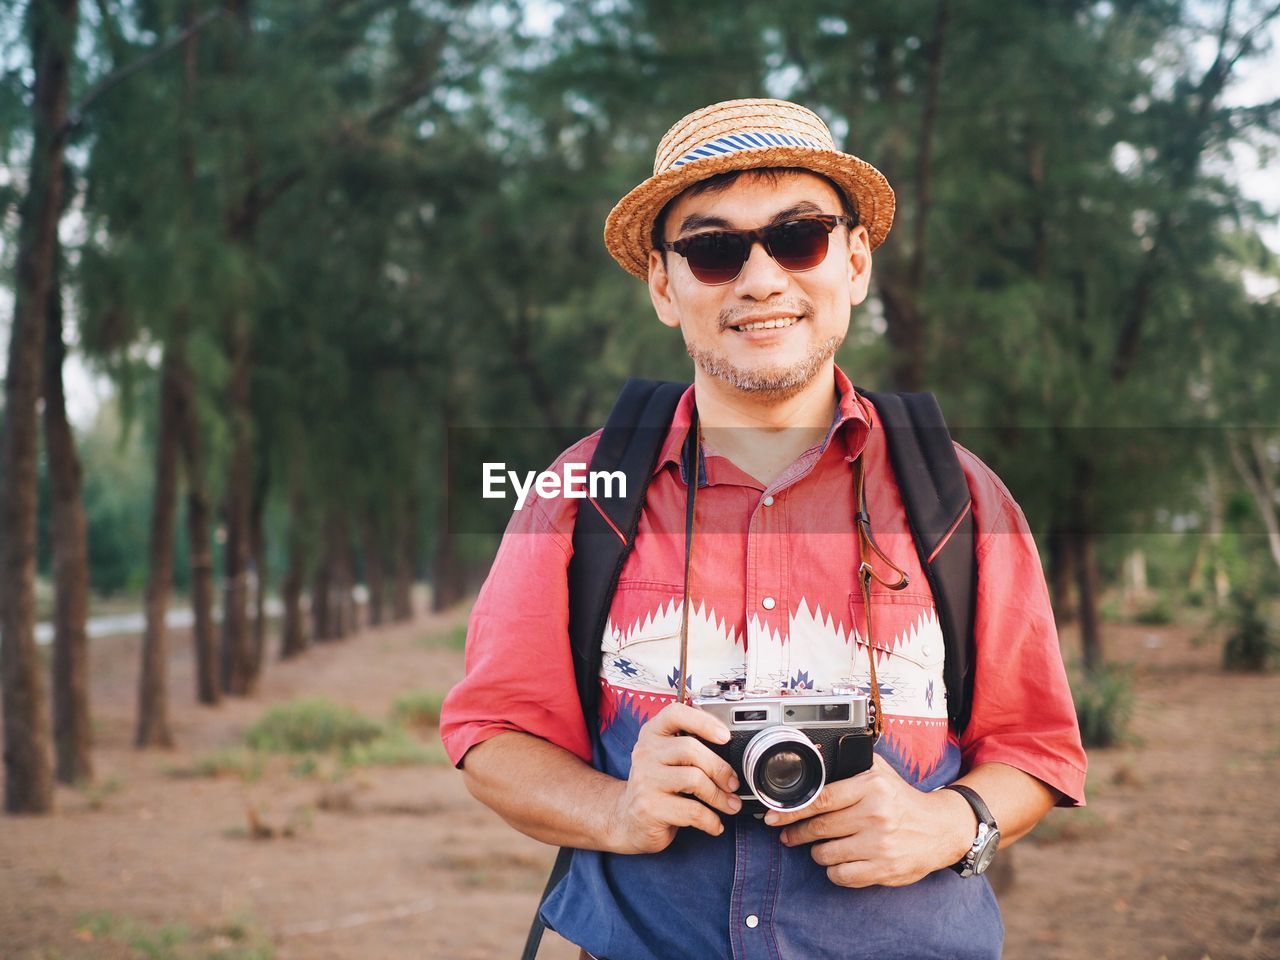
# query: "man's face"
{"type": "Point", "coordinates": [813, 306]}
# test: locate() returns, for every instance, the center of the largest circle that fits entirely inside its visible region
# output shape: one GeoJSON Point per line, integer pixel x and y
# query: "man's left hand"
{"type": "Point", "coordinates": [876, 829]}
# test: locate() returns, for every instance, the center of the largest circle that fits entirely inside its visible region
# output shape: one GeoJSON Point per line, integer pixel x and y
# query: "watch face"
{"type": "Point", "coordinates": [987, 852]}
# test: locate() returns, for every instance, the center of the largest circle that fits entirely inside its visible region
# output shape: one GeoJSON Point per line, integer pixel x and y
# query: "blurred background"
{"type": "Point", "coordinates": [260, 260]}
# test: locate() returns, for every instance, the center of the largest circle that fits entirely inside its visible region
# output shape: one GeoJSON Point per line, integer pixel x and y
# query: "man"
{"type": "Point", "coordinates": [755, 238]}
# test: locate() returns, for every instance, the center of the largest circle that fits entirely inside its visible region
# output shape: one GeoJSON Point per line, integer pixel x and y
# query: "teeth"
{"type": "Point", "coordinates": [768, 324]}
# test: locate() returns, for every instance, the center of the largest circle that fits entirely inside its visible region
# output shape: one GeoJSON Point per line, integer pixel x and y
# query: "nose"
{"type": "Point", "coordinates": [761, 276]}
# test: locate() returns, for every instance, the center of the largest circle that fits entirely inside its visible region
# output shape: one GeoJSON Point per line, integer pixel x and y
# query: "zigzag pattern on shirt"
{"type": "Point", "coordinates": [814, 651]}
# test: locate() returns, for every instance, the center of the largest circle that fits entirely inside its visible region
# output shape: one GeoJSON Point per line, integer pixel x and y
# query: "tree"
{"type": "Point", "coordinates": [28, 784]}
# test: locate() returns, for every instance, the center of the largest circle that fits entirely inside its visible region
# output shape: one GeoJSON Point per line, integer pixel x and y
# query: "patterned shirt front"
{"type": "Point", "coordinates": [774, 597]}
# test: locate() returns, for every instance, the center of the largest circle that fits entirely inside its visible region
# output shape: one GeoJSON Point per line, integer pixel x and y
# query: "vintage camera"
{"type": "Point", "coordinates": [784, 745]}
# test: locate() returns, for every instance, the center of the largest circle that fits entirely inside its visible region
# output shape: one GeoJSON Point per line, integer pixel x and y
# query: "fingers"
{"type": "Point", "coordinates": [693, 782]}
{"type": "Point", "coordinates": [677, 718]}
{"type": "Point", "coordinates": [834, 796]}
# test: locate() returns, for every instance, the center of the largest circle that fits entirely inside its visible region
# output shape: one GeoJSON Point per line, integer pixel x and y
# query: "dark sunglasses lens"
{"type": "Point", "coordinates": [715, 257]}
{"type": "Point", "coordinates": [798, 245]}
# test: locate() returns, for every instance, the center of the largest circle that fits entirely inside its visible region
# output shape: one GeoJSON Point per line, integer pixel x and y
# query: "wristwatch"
{"type": "Point", "coordinates": [985, 844]}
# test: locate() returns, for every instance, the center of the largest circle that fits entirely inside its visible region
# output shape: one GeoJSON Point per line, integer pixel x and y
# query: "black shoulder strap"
{"type": "Point", "coordinates": [936, 496]}
{"type": "Point", "coordinates": [602, 539]}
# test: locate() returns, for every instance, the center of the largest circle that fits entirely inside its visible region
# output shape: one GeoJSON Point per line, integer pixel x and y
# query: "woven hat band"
{"type": "Point", "coordinates": [753, 140]}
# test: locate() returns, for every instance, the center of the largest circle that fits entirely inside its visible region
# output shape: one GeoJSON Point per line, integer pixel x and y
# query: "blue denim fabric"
{"type": "Point", "coordinates": [693, 899]}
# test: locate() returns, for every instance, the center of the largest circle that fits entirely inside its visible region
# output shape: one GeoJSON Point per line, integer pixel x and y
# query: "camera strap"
{"type": "Point", "coordinates": [866, 573]}
{"type": "Point", "coordinates": [694, 457]}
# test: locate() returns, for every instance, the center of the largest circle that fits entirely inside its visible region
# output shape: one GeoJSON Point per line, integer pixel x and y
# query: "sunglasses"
{"type": "Point", "coordinates": [716, 258]}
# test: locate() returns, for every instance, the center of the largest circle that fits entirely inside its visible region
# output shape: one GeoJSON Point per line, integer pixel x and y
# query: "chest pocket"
{"type": "Point", "coordinates": [909, 652]}
{"type": "Point", "coordinates": [641, 643]}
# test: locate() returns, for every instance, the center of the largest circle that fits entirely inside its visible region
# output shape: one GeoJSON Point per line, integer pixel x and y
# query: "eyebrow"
{"type": "Point", "coordinates": [699, 221]}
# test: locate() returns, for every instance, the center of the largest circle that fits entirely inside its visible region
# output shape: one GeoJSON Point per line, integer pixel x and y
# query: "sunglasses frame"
{"type": "Point", "coordinates": [760, 235]}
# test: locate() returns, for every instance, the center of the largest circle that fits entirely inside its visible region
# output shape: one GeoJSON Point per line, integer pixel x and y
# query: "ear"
{"type": "Point", "coordinates": [859, 264]}
{"type": "Point", "coordinates": [660, 291]}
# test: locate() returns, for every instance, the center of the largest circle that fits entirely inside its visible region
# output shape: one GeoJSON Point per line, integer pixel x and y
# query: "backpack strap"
{"type": "Point", "coordinates": [939, 512]}
{"type": "Point", "coordinates": [603, 535]}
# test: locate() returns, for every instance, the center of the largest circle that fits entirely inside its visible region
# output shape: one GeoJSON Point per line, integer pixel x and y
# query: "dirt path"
{"type": "Point", "coordinates": [1177, 855]}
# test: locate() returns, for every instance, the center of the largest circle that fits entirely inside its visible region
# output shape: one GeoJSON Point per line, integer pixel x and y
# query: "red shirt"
{"type": "Point", "coordinates": [774, 596]}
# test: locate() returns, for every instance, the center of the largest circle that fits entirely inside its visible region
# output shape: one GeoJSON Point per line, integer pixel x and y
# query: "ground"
{"type": "Point", "coordinates": [1177, 854]}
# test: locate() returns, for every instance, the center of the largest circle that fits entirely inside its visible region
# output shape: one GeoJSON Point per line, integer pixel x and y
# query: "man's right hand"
{"type": "Point", "coordinates": [668, 771]}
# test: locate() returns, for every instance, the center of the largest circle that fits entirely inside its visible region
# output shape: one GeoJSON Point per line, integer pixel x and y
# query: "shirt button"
{"type": "Point", "coordinates": [767, 501]}
{"type": "Point", "coordinates": [768, 603]}
{"type": "Point", "coordinates": [753, 921]}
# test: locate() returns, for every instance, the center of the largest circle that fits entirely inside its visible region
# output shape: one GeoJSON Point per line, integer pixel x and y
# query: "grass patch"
{"type": "Point", "coordinates": [1157, 614]}
{"type": "Point", "coordinates": [311, 725]}
{"type": "Point", "coordinates": [455, 638]}
{"type": "Point", "coordinates": [235, 940]}
{"type": "Point", "coordinates": [96, 793]}
{"type": "Point", "coordinates": [228, 762]}
{"type": "Point", "coordinates": [418, 708]}
{"type": "Point", "coordinates": [1251, 645]}
{"type": "Point", "coordinates": [1104, 704]}
{"type": "Point", "coordinates": [396, 748]}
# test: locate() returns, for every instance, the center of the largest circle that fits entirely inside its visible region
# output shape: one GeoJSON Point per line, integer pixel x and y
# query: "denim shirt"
{"type": "Point", "coordinates": [746, 895]}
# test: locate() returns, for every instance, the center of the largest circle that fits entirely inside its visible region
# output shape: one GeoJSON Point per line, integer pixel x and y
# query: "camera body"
{"type": "Point", "coordinates": [785, 745]}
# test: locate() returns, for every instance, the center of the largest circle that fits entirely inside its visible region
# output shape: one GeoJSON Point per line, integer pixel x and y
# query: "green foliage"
{"type": "Point", "coordinates": [455, 638]}
{"type": "Point", "coordinates": [234, 940]}
{"type": "Point", "coordinates": [1252, 644]}
{"type": "Point", "coordinates": [1104, 704]}
{"type": "Point", "coordinates": [230, 761]}
{"type": "Point", "coordinates": [418, 708]}
{"type": "Point", "coordinates": [394, 748]}
{"type": "Point", "coordinates": [1159, 613]}
{"type": "Point", "coordinates": [311, 724]}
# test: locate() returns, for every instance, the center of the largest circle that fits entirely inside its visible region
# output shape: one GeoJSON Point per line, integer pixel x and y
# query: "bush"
{"type": "Point", "coordinates": [1156, 615]}
{"type": "Point", "coordinates": [419, 708]}
{"type": "Point", "coordinates": [1104, 704]}
{"type": "Point", "coordinates": [311, 724]}
{"type": "Point", "coordinates": [396, 748]}
{"type": "Point", "coordinates": [1251, 641]}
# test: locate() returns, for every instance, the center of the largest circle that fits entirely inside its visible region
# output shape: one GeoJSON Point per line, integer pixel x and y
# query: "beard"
{"type": "Point", "coordinates": [777, 382]}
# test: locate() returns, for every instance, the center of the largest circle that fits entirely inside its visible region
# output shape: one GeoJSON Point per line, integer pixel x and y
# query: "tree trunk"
{"type": "Point", "coordinates": [293, 639]}
{"type": "Point", "coordinates": [72, 733]}
{"type": "Point", "coordinates": [153, 686]}
{"type": "Point", "coordinates": [405, 550]}
{"type": "Point", "coordinates": [320, 611]}
{"type": "Point", "coordinates": [375, 578]}
{"type": "Point", "coordinates": [1085, 562]}
{"type": "Point", "coordinates": [259, 579]}
{"type": "Point", "coordinates": [237, 650]}
{"type": "Point", "coordinates": [208, 682]}
{"type": "Point", "coordinates": [208, 686]}
{"type": "Point", "coordinates": [1060, 573]}
{"type": "Point", "coordinates": [28, 784]}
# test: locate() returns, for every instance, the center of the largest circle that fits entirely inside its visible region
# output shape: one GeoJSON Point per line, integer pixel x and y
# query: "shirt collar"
{"type": "Point", "coordinates": [852, 418]}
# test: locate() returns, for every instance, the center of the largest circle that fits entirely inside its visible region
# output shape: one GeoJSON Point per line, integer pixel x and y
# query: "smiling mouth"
{"type": "Point", "coordinates": [766, 324]}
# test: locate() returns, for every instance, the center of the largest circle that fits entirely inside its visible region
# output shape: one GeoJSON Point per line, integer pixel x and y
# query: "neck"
{"type": "Point", "coordinates": [760, 434]}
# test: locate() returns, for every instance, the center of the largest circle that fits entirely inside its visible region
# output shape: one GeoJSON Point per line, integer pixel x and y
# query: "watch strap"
{"type": "Point", "coordinates": [975, 801]}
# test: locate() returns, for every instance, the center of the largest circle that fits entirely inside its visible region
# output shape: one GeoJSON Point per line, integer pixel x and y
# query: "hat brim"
{"type": "Point", "coordinates": [629, 226]}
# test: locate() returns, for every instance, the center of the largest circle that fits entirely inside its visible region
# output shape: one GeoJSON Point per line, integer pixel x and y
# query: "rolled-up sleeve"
{"type": "Point", "coordinates": [1023, 714]}
{"type": "Point", "coordinates": [519, 668]}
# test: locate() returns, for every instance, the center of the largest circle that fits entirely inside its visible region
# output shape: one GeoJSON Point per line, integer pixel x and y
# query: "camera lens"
{"type": "Point", "coordinates": [784, 768]}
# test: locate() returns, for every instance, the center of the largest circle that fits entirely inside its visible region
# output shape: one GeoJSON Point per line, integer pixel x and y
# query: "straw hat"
{"type": "Point", "coordinates": [742, 135]}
